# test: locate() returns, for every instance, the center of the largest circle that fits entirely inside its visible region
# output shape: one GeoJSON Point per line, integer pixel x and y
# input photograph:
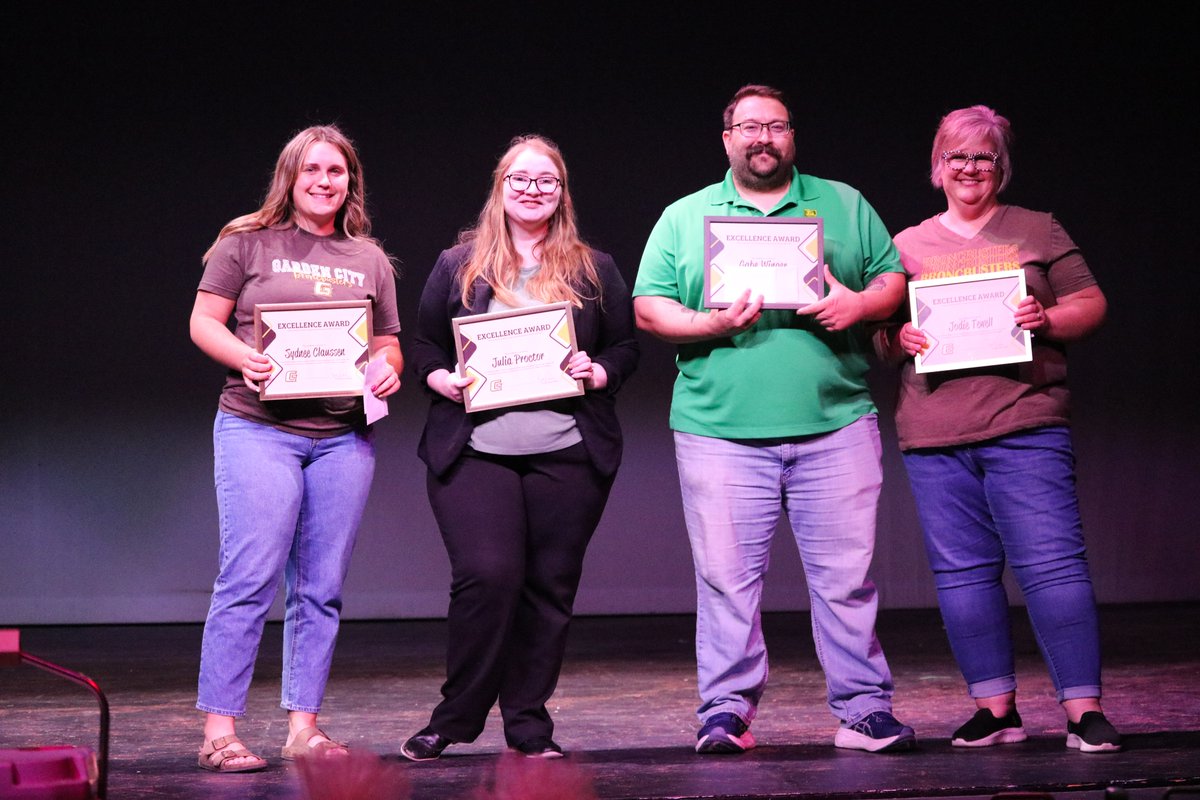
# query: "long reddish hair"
{"type": "Point", "coordinates": [567, 271]}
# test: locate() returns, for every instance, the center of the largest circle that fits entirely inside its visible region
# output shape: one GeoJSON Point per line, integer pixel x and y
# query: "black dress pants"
{"type": "Point", "coordinates": [516, 529]}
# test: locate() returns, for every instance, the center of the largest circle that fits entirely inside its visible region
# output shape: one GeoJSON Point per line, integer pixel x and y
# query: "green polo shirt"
{"type": "Point", "coordinates": [786, 375]}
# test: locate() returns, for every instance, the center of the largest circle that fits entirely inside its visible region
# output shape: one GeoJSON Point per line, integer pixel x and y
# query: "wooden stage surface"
{"type": "Point", "coordinates": [624, 711]}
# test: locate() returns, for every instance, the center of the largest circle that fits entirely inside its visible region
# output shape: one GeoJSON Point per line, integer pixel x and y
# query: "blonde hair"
{"type": "Point", "coordinates": [278, 210]}
{"type": "Point", "coordinates": [976, 122]}
{"type": "Point", "coordinates": [567, 269]}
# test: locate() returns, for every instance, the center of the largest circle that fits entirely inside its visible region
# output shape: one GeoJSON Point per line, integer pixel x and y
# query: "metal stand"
{"type": "Point", "coordinates": [82, 680]}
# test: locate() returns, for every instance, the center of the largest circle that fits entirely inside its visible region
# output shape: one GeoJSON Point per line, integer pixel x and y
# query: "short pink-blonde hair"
{"type": "Point", "coordinates": [975, 122]}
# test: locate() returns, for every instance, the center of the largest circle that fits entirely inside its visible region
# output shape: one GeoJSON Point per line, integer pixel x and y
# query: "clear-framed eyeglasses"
{"type": "Point", "coordinates": [983, 161]}
{"type": "Point", "coordinates": [752, 129]}
{"type": "Point", "coordinates": [545, 184]}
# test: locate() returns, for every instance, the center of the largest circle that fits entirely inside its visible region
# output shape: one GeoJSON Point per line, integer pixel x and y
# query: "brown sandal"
{"type": "Point", "coordinates": [300, 747]}
{"type": "Point", "coordinates": [215, 754]}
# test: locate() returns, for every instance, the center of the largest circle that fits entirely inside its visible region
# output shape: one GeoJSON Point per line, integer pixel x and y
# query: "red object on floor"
{"type": "Point", "coordinates": [48, 773]}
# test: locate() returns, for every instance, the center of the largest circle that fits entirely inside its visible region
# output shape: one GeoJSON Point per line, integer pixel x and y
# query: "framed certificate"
{"type": "Point", "coordinates": [516, 357]}
{"type": "Point", "coordinates": [968, 320]}
{"type": "Point", "coordinates": [316, 349]}
{"type": "Point", "coordinates": [780, 258]}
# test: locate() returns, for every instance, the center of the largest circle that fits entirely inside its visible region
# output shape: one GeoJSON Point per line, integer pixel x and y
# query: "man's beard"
{"type": "Point", "coordinates": [747, 176]}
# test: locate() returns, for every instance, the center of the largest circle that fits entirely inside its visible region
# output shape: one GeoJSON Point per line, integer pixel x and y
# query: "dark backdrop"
{"type": "Point", "coordinates": [133, 134]}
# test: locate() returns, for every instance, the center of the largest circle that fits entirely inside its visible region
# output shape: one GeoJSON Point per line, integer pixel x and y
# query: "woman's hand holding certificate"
{"type": "Point", "coordinates": [970, 321]}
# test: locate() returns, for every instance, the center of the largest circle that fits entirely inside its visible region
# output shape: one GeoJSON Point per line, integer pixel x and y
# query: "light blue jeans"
{"type": "Point", "coordinates": [733, 494]}
{"type": "Point", "coordinates": [287, 504]}
{"type": "Point", "coordinates": [1010, 501]}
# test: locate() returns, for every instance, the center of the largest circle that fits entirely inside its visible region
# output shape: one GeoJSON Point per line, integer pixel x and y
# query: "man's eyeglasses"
{"type": "Point", "coordinates": [545, 184]}
{"type": "Point", "coordinates": [984, 161]}
{"type": "Point", "coordinates": [752, 129]}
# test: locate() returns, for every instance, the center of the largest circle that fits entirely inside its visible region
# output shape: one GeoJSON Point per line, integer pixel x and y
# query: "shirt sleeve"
{"type": "Point", "coordinates": [385, 316]}
{"type": "Point", "coordinates": [1067, 271]}
{"type": "Point", "coordinates": [657, 272]}
{"type": "Point", "coordinates": [224, 271]}
{"type": "Point", "coordinates": [618, 349]}
{"type": "Point", "coordinates": [880, 253]}
{"type": "Point", "coordinates": [433, 345]}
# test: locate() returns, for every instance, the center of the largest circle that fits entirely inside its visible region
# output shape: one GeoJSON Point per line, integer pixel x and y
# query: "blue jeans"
{"type": "Point", "coordinates": [287, 504]}
{"type": "Point", "coordinates": [733, 494]}
{"type": "Point", "coordinates": [1009, 500]}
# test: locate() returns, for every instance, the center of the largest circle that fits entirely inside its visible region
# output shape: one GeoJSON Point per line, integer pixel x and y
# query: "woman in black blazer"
{"type": "Point", "coordinates": [518, 491]}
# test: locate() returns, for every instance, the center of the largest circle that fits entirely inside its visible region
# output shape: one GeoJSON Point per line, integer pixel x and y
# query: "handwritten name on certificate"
{"type": "Point", "coordinates": [968, 320]}
{"type": "Point", "coordinates": [316, 349]}
{"type": "Point", "coordinates": [516, 357]}
{"type": "Point", "coordinates": [779, 258]}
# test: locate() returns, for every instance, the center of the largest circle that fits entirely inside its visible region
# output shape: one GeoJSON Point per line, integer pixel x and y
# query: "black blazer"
{"type": "Point", "coordinates": [604, 328]}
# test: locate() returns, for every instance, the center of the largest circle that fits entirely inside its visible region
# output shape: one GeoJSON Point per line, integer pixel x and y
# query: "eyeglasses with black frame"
{"type": "Point", "coordinates": [752, 129]}
{"type": "Point", "coordinates": [983, 161]}
{"type": "Point", "coordinates": [545, 184]}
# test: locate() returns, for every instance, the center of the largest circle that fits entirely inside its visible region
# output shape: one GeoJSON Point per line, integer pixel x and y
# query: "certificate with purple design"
{"type": "Point", "coordinates": [780, 258]}
{"type": "Point", "coordinates": [316, 349]}
{"type": "Point", "coordinates": [516, 357]}
{"type": "Point", "coordinates": [968, 320]}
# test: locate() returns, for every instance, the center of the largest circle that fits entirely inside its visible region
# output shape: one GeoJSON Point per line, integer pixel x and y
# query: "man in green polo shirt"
{"type": "Point", "coordinates": [771, 412]}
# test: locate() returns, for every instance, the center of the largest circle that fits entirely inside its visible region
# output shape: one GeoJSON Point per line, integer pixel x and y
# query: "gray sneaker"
{"type": "Point", "coordinates": [878, 732]}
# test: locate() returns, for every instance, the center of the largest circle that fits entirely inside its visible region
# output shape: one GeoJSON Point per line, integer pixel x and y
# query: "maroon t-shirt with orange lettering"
{"type": "Point", "coordinates": [944, 409]}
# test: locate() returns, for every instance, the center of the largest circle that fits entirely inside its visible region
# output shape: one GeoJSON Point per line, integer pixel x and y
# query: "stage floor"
{"type": "Point", "coordinates": [624, 711]}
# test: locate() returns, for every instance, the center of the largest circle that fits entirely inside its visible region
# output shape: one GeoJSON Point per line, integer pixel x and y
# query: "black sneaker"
{"type": "Point", "coordinates": [1093, 734]}
{"type": "Point", "coordinates": [985, 729]}
{"type": "Point", "coordinates": [878, 732]}
{"type": "Point", "coordinates": [724, 733]}
{"type": "Point", "coordinates": [540, 747]}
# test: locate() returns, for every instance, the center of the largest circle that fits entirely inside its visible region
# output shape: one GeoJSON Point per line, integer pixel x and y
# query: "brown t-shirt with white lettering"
{"type": "Point", "coordinates": [291, 265]}
{"type": "Point", "coordinates": [943, 409]}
